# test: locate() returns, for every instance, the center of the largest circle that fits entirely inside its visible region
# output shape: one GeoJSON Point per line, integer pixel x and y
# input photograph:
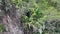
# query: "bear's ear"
{"type": "Point", "coordinates": [28, 14]}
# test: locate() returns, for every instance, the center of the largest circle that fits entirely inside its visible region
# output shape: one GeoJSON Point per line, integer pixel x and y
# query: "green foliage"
{"type": "Point", "coordinates": [37, 18]}
{"type": "Point", "coordinates": [40, 11]}
{"type": "Point", "coordinates": [2, 28]}
{"type": "Point", "coordinates": [37, 32]}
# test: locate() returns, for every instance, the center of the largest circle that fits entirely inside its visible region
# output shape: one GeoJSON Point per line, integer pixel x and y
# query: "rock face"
{"type": "Point", "coordinates": [11, 18]}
